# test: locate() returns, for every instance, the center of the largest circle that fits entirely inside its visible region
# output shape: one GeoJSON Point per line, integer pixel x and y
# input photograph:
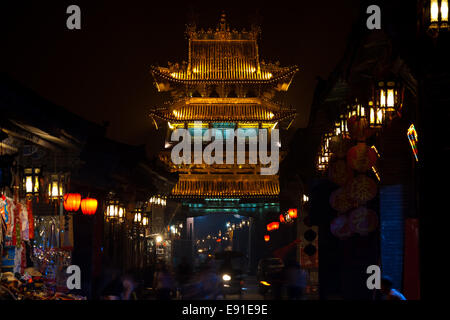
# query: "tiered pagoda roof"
{"type": "Point", "coordinates": [223, 56]}
{"type": "Point", "coordinates": [226, 186]}
{"type": "Point", "coordinates": [223, 110]}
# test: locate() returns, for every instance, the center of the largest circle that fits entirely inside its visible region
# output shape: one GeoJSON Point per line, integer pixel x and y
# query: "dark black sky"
{"type": "Point", "coordinates": [101, 72]}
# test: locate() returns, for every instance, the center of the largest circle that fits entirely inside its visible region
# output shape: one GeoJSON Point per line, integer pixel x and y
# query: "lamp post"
{"type": "Point", "coordinates": [114, 215]}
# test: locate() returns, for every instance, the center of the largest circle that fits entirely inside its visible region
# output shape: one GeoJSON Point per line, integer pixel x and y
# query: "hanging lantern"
{"type": "Point", "coordinates": [273, 226]}
{"type": "Point", "coordinates": [282, 220]}
{"type": "Point", "coordinates": [360, 110]}
{"type": "Point", "coordinates": [31, 181]}
{"type": "Point", "coordinates": [376, 116]}
{"type": "Point", "coordinates": [337, 128]}
{"type": "Point", "coordinates": [158, 200]}
{"type": "Point", "coordinates": [436, 15]}
{"type": "Point", "coordinates": [89, 206]}
{"type": "Point", "coordinates": [343, 125]}
{"type": "Point", "coordinates": [324, 154]}
{"type": "Point", "coordinates": [266, 238]}
{"type": "Point", "coordinates": [56, 186]}
{"type": "Point", "coordinates": [138, 216]}
{"type": "Point", "coordinates": [305, 198]}
{"type": "Point", "coordinates": [388, 96]}
{"type": "Point", "coordinates": [292, 213]}
{"type": "Point", "coordinates": [114, 211]}
{"type": "Point", "coordinates": [72, 201]}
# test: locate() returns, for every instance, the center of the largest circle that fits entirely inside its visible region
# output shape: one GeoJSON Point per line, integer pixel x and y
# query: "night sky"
{"type": "Point", "coordinates": [101, 72]}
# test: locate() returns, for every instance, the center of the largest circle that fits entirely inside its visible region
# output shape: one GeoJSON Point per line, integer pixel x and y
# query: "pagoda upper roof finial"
{"type": "Point", "coordinates": [223, 22]}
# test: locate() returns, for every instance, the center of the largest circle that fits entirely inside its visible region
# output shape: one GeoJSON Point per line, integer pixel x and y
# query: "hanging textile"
{"type": "Point", "coordinates": [30, 219]}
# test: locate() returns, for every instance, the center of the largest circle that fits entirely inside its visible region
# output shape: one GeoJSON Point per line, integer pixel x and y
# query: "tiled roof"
{"type": "Point", "coordinates": [212, 185]}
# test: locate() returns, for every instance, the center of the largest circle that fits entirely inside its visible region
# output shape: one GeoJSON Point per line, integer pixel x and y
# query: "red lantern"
{"type": "Point", "coordinates": [89, 206]}
{"type": "Point", "coordinates": [72, 201]}
{"type": "Point", "coordinates": [266, 238]}
{"type": "Point", "coordinates": [273, 226]}
{"type": "Point", "coordinates": [219, 240]}
{"type": "Point", "coordinates": [292, 213]}
{"type": "Point", "coordinates": [282, 219]}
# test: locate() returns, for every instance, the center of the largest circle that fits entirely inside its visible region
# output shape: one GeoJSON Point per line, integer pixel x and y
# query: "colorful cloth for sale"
{"type": "Point", "coordinates": [25, 232]}
{"type": "Point", "coordinates": [9, 211]}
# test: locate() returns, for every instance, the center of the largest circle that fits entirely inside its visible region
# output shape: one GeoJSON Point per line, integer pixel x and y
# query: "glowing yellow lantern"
{"type": "Point", "coordinates": [137, 216]}
{"type": "Point", "coordinates": [376, 116]}
{"type": "Point", "coordinates": [438, 15]}
{"type": "Point", "coordinates": [388, 96]}
{"type": "Point", "coordinates": [56, 186]}
{"type": "Point", "coordinates": [31, 181]}
{"type": "Point", "coordinates": [114, 211]}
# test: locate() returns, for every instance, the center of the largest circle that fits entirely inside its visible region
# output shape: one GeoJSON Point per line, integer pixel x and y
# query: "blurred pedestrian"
{"type": "Point", "coordinates": [295, 280]}
{"type": "Point", "coordinates": [129, 288]}
{"type": "Point", "coordinates": [277, 285]}
{"type": "Point", "coordinates": [114, 288]}
{"type": "Point", "coordinates": [183, 274]}
{"type": "Point", "coordinates": [210, 282]}
{"type": "Point", "coordinates": [163, 282]}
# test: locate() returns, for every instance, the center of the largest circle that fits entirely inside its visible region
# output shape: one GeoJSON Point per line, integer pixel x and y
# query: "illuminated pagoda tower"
{"type": "Point", "coordinates": [223, 85]}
